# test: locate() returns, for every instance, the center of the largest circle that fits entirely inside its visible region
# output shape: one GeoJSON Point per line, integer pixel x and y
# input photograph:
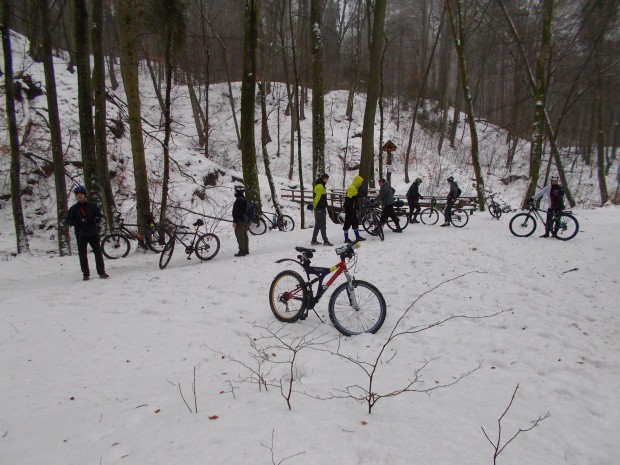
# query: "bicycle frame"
{"type": "Point", "coordinates": [178, 238]}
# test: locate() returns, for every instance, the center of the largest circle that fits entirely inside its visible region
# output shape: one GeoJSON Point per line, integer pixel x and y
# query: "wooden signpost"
{"type": "Point", "coordinates": [389, 147]}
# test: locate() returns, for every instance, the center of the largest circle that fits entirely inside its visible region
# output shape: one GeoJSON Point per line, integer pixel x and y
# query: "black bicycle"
{"type": "Point", "coordinates": [495, 209]}
{"type": "Point", "coordinates": [355, 307]}
{"type": "Point", "coordinates": [116, 244]}
{"type": "Point", "coordinates": [205, 246]}
{"type": "Point", "coordinates": [370, 217]}
{"type": "Point", "coordinates": [271, 221]}
{"type": "Point", "coordinates": [430, 215]}
{"type": "Point", "coordinates": [564, 226]}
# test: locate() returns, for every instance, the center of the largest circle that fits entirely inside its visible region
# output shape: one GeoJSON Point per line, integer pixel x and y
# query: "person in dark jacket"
{"type": "Point", "coordinates": [413, 198]}
{"type": "Point", "coordinates": [386, 197]}
{"type": "Point", "coordinates": [350, 210]}
{"type": "Point", "coordinates": [555, 201]}
{"type": "Point", "coordinates": [85, 216]}
{"type": "Point", "coordinates": [453, 194]}
{"type": "Point", "coordinates": [239, 223]}
{"type": "Point", "coordinates": [320, 210]}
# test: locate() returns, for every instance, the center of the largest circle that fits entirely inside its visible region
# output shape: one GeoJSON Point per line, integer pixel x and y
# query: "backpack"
{"type": "Point", "coordinates": [249, 215]}
{"type": "Point", "coordinates": [458, 192]}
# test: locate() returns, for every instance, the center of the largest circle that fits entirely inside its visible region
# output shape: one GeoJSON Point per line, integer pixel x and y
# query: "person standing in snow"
{"type": "Point", "coordinates": [239, 223]}
{"type": "Point", "coordinates": [555, 193]}
{"type": "Point", "coordinates": [350, 210]}
{"type": "Point", "coordinates": [386, 197]}
{"type": "Point", "coordinates": [320, 210]}
{"type": "Point", "coordinates": [413, 198]}
{"type": "Point", "coordinates": [85, 217]}
{"type": "Point", "coordinates": [453, 194]}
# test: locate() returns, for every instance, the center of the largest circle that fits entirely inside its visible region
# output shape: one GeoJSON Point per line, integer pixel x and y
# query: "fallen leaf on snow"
{"type": "Point", "coordinates": [213, 417]}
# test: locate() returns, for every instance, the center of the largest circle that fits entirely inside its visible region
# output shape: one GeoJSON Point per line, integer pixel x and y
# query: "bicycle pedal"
{"type": "Point", "coordinates": [303, 317]}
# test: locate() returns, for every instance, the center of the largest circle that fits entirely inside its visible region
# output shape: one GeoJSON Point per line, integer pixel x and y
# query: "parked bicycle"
{"type": "Point", "coordinates": [116, 244]}
{"type": "Point", "coordinates": [355, 307]}
{"type": "Point", "coordinates": [272, 221]}
{"type": "Point", "coordinates": [430, 215]}
{"type": "Point", "coordinates": [205, 246]}
{"type": "Point", "coordinates": [495, 209]}
{"type": "Point", "coordinates": [564, 226]}
{"type": "Point", "coordinates": [370, 218]}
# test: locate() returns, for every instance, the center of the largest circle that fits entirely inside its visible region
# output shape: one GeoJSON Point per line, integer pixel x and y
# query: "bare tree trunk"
{"type": "Point", "coordinates": [112, 71]}
{"type": "Point", "coordinates": [64, 244]}
{"type": "Point", "coordinates": [458, 33]}
{"type": "Point", "coordinates": [318, 109]}
{"type": "Point", "coordinates": [456, 116]}
{"type": "Point", "coordinates": [129, 71]}
{"type": "Point", "coordinates": [368, 131]}
{"type": "Point", "coordinates": [264, 142]}
{"type": "Point", "coordinates": [195, 109]}
{"type": "Point", "coordinates": [16, 195]}
{"type": "Point", "coordinates": [248, 96]}
{"type": "Point", "coordinates": [167, 130]}
{"type": "Point", "coordinates": [101, 145]}
{"type": "Point", "coordinates": [156, 86]}
{"type": "Point", "coordinates": [87, 133]}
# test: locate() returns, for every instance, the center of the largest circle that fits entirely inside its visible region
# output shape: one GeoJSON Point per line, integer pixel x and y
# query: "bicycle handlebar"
{"type": "Point", "coordinates": [347, 250]}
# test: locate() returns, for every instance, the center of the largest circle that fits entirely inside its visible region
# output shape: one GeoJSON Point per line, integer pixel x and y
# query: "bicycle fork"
{"type": "Point", "coordinates": [351, 291]}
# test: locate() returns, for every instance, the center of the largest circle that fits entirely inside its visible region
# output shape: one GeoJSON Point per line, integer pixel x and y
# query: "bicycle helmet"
{"type": "Point", "coordinates": [450, 179]}
{"type": "Point", "coordinates": [555, 178]}
{"type": "Point", "coordinates": [79, 190]}
{"type": "Point", "coordinates": [418, 180]}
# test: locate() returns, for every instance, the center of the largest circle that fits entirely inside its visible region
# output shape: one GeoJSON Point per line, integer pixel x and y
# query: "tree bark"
{"type": "Point", "coordinates": [248, 96]}
{"type": "Point", "coordinates": [167, 129]}
{"type": "Point", "coordinates": [16, 195]}
{"type": "Point", "coordinates": [318, 105]}
{"type": "Point", "coordinates": [129, 71]}
{"type": "Point", "coordinates": [64, 245]}
{"type": "Point", "coordinates": [264, 142]}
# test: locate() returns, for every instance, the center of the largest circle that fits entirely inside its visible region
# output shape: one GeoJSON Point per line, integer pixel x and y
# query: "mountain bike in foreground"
{"type": "Point", "coordinates": [430, 215]}
{"type": "Point", "coordinates": [564, 226]}
{"type": "Point", "coordinates": [116, 244]}
{"type": "Point", "coordinates": [205, 246]}
{"type": "Point", "coordinates": [355, 307]}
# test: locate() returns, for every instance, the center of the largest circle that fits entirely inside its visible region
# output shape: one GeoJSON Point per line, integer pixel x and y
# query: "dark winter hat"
{"type": "Point", "coordinates": [450, 179]}
{"type": "Point", "coordinates": [418, 180]}
{"type": "Point", "coordinates": [239, 191]}
{"type": "Point", "coordinates": [79, 190]}
{"type": "Point", "coordinates": [324, 175]}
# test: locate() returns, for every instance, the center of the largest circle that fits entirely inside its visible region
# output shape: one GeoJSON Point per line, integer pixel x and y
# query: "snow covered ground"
{"type": "Point", "coordinates": [90, 371]}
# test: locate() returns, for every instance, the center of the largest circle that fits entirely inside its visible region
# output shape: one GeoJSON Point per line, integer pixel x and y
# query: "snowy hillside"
{"type": "Point", "coordinates": [191, 170]}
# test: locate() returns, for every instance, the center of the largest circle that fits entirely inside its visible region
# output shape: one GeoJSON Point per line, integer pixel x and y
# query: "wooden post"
{"type": "Point", "coordinates": [389, 147]}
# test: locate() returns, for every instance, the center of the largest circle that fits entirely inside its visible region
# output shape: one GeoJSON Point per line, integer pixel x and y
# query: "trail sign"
{"type": "Point", "coordinates": [389, 147]}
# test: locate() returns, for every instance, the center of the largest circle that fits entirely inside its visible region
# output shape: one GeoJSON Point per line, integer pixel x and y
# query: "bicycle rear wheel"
{"type": "Point", "coordinates": [495, 211]}
{"type": "Point", "coordinates": [429, 216]}
{"type": "Point", "coordinates": [257, 227]}
{"type": "Point", "coordinates": [565, 227]}
{"type": "Point", "coordinates": [370, 222]}
{"type": "Point", "coordinates": [522, 225]}
{"type": "Point", "coordinates": [367, 316]}
{"type": "Point", "coordinates": [157, 243]}
{"type": "Point", "coordinates": [459, 218]}
{"type": "Point", "coordinates": [207, 246]}
{"type": "Point", "coordinates": [288, 296]}
{"type": "Point", "coordinates": [286, 223]}
{"type": "Point", "coordinates": [115, 246]}
{"type": "Point", "coordinates": [402, 219]}
{"type": "Point", "coordinates": [166, 254]}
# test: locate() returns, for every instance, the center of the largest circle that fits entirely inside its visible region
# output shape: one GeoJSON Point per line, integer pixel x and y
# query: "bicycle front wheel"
{"type": "Point", "coordinates": [257, 227]}
{"type": "Point", "coordinates": [565, 227]}
{"type": "Point", "coordinates": [286, 223]}
{"type": "Point", "coordinates": [403, 221]}
{"type": "Point", "coordinates": [459, 218]}
{"type": "Point", "coordinates": [207, 246]}
{"type": "Point", "coordinates": [370, 222]}
{"type": "Point", "coordinates": [522, 225]}
{"type": "Point", "coordinates": [495, 211]}
{"type": "Point", "coordinates": [115, 246]}
{"type": "Point", "coordinates": [157, 243]}
{"type": "Point", "coordinates": [288, 296]}
{"type": "Point", "coordinates": [166, 254]}
{"type": "Point", "coordinates": [429, 216]}
{"type": "Point", "coordinates": [358, 310]}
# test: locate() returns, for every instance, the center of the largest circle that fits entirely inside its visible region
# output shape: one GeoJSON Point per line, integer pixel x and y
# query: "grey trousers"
{"type": "Point", "coordinates": [320, 223]}
{"type": "Point", "coordinates": [241, 232]}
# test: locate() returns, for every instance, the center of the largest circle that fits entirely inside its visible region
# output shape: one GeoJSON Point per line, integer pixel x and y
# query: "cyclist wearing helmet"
{"type": "Point", "coordinates": [555, 197]}
{"type": "Point", "coordinates": [239, 224]}
{"type": "Point", "coordinates": [85, 216]}
{"type": "Point", "coordinates": [454, 193]}
{"type": "Point", "coordinates": [413, 198]}
{"type": "Point", "coordinates": [350, 210]}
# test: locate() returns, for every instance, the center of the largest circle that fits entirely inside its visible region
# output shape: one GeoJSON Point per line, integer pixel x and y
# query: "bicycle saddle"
{"type": "Point", "coordinates": [198, 222]}
{"type": "Point", "coordinates": [304, 250]}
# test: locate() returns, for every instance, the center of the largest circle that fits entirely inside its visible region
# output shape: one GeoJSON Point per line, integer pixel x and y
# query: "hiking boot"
{"type": "Point", "coordinates": [399, 230]}
{"type": "Point", "coordinates": [445, 224]}
{"type": "Point", "coordinates": [360, 238]}
{"type": "Point", "coordinates": [104, 275]}
{"type": "Point", "coordinates": [327, 243]}
{"type": "Point", "coordinates": [240, 254]}
{"type": "Point", "coordinates": [415, 221]}
{"type": "Point", "coordinates": [315, 242]}
{"type": "Point", "coordinates": [85, 277]}
{"type": "Point", "coordinates": [348, 241]}
{"type": "Point", "coordinates": [545, 235]}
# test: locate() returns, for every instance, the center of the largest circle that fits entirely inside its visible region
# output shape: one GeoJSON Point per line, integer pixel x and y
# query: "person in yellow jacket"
{"type": "Point", "coordinates": [320, 210]}
{"type": "Point", "coordinates": [350, 210]}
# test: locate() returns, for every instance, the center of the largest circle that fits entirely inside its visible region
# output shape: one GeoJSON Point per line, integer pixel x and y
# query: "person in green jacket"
{"type": "Point", "coordinates": [350, 210]}
{"type": "Point", "coordinates": [320, 210]}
